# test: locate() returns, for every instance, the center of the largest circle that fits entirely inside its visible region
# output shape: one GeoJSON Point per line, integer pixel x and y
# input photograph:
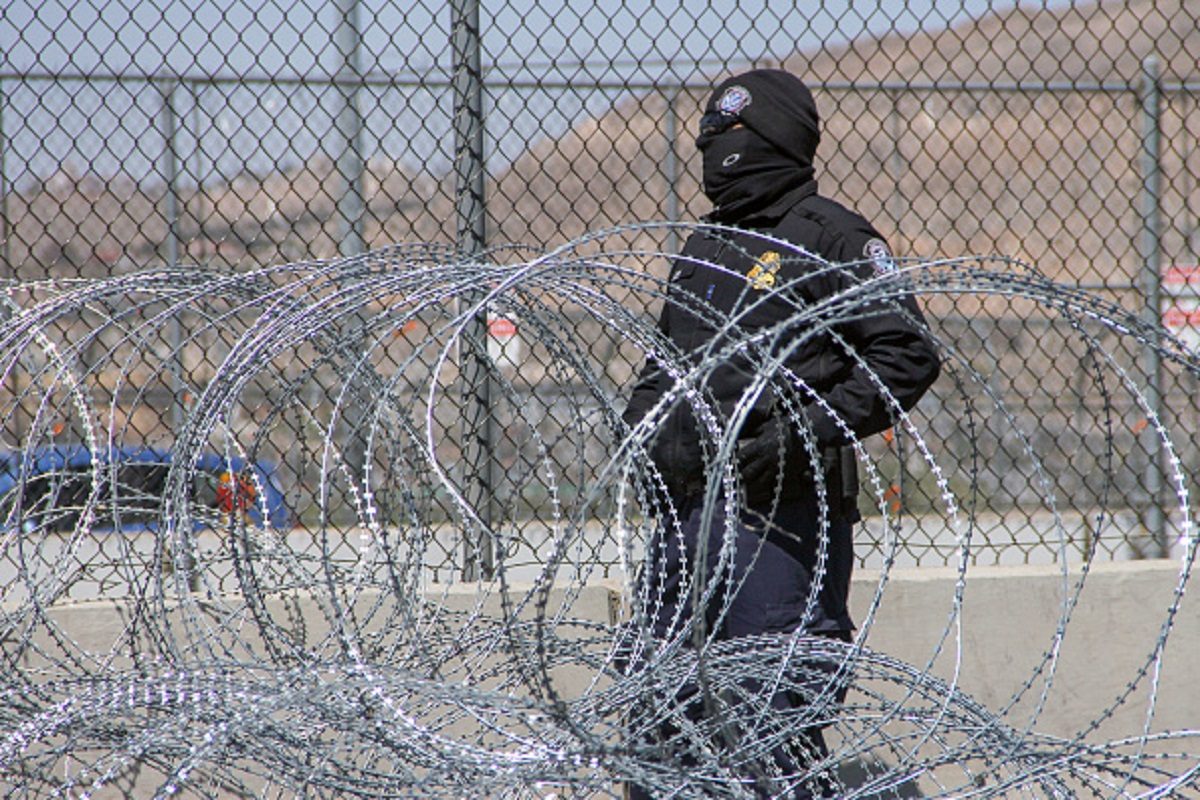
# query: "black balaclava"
{"type": "Point", "coordinates": [748, 168]}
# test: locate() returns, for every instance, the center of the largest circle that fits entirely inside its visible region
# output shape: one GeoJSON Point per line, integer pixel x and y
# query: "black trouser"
{"type": "Point", "coordinates": [766, 587]}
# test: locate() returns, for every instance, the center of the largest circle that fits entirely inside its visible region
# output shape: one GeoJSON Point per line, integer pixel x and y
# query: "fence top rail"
{"type": "Point", "coordinates": [446, 81]}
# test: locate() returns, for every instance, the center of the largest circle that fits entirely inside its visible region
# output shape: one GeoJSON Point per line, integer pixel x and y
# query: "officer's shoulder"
{"type": "Point", "coordinates": [832, 214]}
{"type": "Point", "coordinates": [844, 232]}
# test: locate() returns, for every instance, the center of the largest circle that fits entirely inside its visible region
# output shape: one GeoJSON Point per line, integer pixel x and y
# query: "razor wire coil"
{"type": "Point", "coordinates": [298, 629]}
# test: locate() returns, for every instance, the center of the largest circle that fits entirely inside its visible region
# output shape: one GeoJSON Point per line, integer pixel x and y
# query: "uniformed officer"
{"type": "Point", "coordinates": [758, 138]}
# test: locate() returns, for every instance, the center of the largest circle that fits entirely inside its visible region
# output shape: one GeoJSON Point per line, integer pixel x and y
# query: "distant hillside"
{"type": "Point", "coordinates": [78, 224]}
{"type": "Point", "coordinates": [1048, 177]}
{"type": "Point", "coordinates": [1087, 42]}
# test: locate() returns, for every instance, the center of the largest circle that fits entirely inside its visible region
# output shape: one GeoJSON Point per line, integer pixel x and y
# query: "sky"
{"type": "Point", "coordinates": [269, 38]}
{"type": "Point", "coordinates": [562, 48]}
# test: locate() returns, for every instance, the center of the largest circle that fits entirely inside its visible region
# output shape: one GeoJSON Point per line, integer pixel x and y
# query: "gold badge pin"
{"type": "Point", "coordinates": [762, 274]}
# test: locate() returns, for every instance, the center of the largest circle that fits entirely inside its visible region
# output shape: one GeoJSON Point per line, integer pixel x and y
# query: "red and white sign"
{"type": "Point", "coordinates": [1181, 276]}
{"type": "Point", "coordinates": [502, 328]}
{"type": "Point", "coordinates": [503, 342]}
{"type": "Point", "coordinates": [1181, 303]}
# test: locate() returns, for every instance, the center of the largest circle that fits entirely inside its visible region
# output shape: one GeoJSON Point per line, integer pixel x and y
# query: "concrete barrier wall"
{"type": "Point", "coordinates": [1007, 629]}
{"type": "Point", "coordinates": [1004, 634]}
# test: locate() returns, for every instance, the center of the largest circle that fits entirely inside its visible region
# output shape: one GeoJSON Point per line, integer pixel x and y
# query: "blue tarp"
{"type": "Point", "coordinates": [79, 459]}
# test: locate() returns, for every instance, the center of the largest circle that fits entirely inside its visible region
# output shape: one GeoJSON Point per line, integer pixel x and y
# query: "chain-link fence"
{"type": "Point", "coordinates": [137, 135]}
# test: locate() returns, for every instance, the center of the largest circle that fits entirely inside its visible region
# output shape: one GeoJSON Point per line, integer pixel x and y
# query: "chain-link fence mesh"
{"type": "Point", "coordinates": [137, 136]}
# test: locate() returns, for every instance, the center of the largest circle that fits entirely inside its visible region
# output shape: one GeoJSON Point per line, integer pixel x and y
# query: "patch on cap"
{"type": "Point", "coordinates": [876, 250]}
{"type": "Point", "coordinates": [734, 99]}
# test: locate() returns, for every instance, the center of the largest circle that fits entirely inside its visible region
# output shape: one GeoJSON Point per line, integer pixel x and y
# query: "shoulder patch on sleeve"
{"type": "Point", "coordinates": [876, 251]}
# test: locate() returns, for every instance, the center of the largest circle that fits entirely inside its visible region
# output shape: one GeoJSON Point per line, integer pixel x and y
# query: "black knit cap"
{"type": "Point", "coordinates": [774, 104]}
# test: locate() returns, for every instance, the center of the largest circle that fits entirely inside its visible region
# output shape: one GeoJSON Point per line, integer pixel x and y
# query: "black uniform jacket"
{"type": "Point", "coordinates": [889, 338]}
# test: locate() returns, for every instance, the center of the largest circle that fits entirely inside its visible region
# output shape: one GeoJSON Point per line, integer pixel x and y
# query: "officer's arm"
{"type": "Point", "coordinates": [904, 362]}
{"type": "Point", "coordinates": [888, 345]}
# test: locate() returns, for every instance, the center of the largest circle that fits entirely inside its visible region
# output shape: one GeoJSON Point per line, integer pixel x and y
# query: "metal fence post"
{"type": "Point", "coordinates": [12, 382]}
{"type": "Point", "coordinates": [671, 167]}
{"type": "Point", "coordinates": [349, 167]}
{"type": "Point", "coordinates": [171, 246]}
{"type": "Point", "coordinates": [895, 163]}
{"type": "Point", "coordinates": [1189, 217]}
{"type": "Point", "coordinates": [477, 436]}
{"type": "Point", "coordinates": [349, 164]}
{"type": "Point", "coordinates": [1151, 254]}
{"type": "Point", "coordinates": [186, 558]}
{"type": "Point", "coordinates": [9, 270]}
{"type": "Point", "coordinates": [896, 201]}
{"type": "Point", "coordinates": [199, 212]}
